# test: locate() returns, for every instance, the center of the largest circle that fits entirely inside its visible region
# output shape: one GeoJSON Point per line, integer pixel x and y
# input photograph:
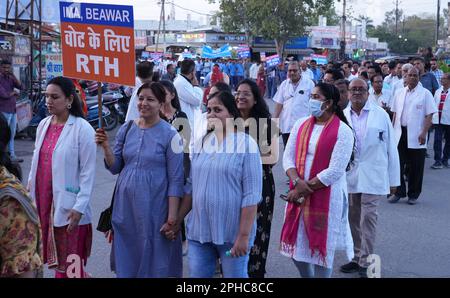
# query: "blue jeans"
{"type": "Point", "coordinates": [312, 271]}
{"type": "Point", "coordinates": [441, 132]}
{"type": "Point", "coordinates": [12, 123]}
{"type": "Point", "coordinates": [202, 261]}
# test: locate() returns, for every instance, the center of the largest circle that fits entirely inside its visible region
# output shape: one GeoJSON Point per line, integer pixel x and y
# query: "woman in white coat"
{"type": "Point", "coordinates": [316, 158]}
{"type": "Point", "coordinates": [61, 180]}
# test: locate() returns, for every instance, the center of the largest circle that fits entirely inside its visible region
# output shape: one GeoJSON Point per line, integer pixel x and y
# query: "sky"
{"type": "Point", "coordinates": [149, 9]}
{"type": "Point", "coordinates": [376, 9]}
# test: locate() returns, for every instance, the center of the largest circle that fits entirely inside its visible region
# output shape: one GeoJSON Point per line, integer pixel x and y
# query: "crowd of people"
{"type": "Point", "coordinates": [194, 163]}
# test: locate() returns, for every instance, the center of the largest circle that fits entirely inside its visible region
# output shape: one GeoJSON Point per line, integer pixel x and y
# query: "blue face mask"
{"type": "Point", "coordinates": [315, 107]}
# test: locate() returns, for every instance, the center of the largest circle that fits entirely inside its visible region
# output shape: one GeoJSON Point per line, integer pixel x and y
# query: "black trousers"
{"type": "Point", "coordinates": [414, 159]}
{"type": "Point", "coordinates": [285, 137]}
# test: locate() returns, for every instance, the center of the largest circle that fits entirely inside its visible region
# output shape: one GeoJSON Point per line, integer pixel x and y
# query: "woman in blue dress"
{"type": "Point", "coordinates": [149, 160]}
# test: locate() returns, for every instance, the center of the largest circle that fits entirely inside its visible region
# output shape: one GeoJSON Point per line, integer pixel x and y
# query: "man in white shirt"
{"type": "Point", "coordinates": [254, 71]}
{"type": "Point", "coordinates": [413, 109]}
{"type": "Point", "coordinates": [402, 83]}
{"type": "Point", "coordinates": [291, 99]}
{"type": "Point", "coordinates": [441, 123]}
{"type": "Point", "coordinates": [306, 72]}
{"type": "Point", "coordinates": [394, 73]}
{"type": "Point", "coordinates": [347, 68]}
{"type": "Point", "coordinates": [144, 72]}
{"type": "Point", "coordinates": [189, 92]}
{"type": "Point", "coordinates": [379, 95]}
{"type": "Point", "coordinates": [374, 174]}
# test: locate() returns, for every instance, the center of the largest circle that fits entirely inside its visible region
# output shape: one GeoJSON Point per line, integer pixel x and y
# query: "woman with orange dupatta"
{"type": "Point", "coordinates": [316, 158]}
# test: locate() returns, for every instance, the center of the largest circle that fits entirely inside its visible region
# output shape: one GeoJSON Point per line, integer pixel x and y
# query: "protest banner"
{"type": "Point", "coordinates": [98, 42]}
{"type": "Point", "coordinates": [243, 51]}
{"type": "Point", "coordinates": [273, 60]}
{"type": "Point", "coordinates": [222, 52]}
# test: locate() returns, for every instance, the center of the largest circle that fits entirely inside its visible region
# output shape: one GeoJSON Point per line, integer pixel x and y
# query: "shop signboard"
{"type": "Point", "coordinates": [53, 66]}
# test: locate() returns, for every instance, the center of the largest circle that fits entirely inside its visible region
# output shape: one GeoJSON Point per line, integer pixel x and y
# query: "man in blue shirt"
{"type": "Point", "coordinates": [315, 70]}
{"type": "Point", "coordinates": [240, 72]}
{"type": "Point", "coordinates": [427, 79]}
{"type": "Point", "coordinates": [233, 74]}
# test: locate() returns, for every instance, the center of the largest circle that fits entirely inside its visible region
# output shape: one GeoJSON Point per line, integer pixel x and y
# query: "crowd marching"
{"type": "Point", "coordinates": [194, 163]}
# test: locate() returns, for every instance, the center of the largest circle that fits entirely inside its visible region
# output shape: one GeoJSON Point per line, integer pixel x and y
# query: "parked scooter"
{"type": "Point", "coordinates": [110, 120]}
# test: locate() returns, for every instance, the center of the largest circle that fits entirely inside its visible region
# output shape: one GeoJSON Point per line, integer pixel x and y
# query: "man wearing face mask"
{"type": "Point", "coordinates": [189, 92]}
{"type": "Point", "coordinates": [413, 108]}
{"type": "Point", "coordinates": [375, 172]}
{"type": "Point", "coordinates": [291, 99]}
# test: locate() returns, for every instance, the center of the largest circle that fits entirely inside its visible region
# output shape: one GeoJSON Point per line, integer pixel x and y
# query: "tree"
{"type": "Point", "coordinates": [413, 32]}
{"type": "Point", "coordinates": [274, 19]}
{"type": "Point", "coordinates": [236, 16]}
{"type": "Point", "coordinates": [369, 22]}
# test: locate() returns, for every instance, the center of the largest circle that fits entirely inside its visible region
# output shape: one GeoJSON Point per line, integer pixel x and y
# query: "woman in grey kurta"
{"type": "Point", "coordinates": [150, 174]}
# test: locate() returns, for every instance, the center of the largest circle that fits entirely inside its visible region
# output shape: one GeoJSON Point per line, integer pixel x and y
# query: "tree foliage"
{"type": "Point", "coordinates": [274, 19]}
{"type": "Point", "coordinates": [412, 33]}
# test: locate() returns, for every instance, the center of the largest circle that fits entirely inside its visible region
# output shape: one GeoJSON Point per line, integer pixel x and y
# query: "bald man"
{"type": "Point", "coordinates": [413, 109]}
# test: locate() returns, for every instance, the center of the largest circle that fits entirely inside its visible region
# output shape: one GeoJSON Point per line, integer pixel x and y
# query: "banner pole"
{"type": "Point", "coordinates": [100, 106]}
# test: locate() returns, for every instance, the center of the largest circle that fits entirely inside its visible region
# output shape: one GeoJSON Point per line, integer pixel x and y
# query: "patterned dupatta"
{"type": "Point", "coordinates": [316, 206]}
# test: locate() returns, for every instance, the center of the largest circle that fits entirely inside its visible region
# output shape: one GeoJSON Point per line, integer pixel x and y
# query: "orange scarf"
{"type": "Point", "coordinates": [316, 207]}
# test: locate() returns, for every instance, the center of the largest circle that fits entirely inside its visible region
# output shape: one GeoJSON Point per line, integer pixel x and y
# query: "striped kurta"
{"type": "Point", "coordinates": [223, 181]}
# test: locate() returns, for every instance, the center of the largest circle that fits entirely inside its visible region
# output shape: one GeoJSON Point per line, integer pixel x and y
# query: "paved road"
{"type": "Point", "coordinates": [412, 241]}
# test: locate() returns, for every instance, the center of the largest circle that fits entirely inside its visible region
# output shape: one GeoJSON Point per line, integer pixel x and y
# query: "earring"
{"type": "Point", "coordinates": [69, 106]}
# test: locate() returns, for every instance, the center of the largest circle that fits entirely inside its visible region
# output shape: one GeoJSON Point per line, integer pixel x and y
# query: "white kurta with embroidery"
{"type": "Point", "coordinates": [339, 234]}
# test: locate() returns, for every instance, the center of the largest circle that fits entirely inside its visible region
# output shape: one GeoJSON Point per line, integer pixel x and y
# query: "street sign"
{"type": "Point", "coordinates": [98, 42]}
{"type": "Point", "coordinates": [53, 66]}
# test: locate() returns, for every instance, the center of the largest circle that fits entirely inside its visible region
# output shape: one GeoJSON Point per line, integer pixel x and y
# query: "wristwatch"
{"type": "Point", "coordinates": [296, 181]}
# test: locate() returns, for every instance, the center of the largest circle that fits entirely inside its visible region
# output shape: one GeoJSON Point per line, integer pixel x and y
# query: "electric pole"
{"type": "Point", "coordinates": [161, 19]}
{"type": "Point", "coordinates": [438, 19]}
{"type": "Point", "coordinates": [396, 17]}
{"type": "Point", "coordinates": [344, 21]}
{"type": "Point", "coordinates": [164, 25]}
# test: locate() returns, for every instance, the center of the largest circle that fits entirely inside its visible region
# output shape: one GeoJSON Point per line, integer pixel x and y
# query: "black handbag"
{"type": "Point", "coordinates": [104, 222]}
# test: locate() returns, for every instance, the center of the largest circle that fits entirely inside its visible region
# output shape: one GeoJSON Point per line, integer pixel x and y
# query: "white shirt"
{"type": "Point", "coordinates": [190, 98]}
{"type": "Point", "coordinates": [308, 74]}
{"type": "Point", "coordinates": [254, 71]}
{"type": "Point", "coordinates": [132, 112]}
{"type": "Point", "coordinates": [391, 80]}
{"type": "Point", "coordinates": [295, 102]}
{"type": "Point", "coordinates": [445, 117]}
{"type": "Point", "coordinates": [385, 97]}
{"type": "Point", "coordinates": [411, 108]}
{"type": "Point", "coordinates": [73, 169]}
{"type": "Point", "coordinates": [351, 77]}
{"type": "Point", "coordinates": [376, 167]}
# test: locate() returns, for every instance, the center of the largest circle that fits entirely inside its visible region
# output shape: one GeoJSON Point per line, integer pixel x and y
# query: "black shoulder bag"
{"type": "Point", "coordinates": [104, 222]}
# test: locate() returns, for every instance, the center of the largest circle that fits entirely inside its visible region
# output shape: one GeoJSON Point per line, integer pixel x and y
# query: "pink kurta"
{"type": "Point", "coordinates": [58, 244]}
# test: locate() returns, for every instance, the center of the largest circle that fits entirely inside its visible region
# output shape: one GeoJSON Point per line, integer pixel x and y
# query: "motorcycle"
{"type": "Point", "coordinates": [110, 119]}
{"type": "Point", "coordinates": [109, 114]}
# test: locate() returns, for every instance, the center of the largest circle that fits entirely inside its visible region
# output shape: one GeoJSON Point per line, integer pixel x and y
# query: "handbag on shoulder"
{"type": "Point", "coordinates": [104, 223]}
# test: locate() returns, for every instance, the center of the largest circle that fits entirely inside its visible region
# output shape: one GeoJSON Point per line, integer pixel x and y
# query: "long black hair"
{"type": "Point", "coordinates": [68, 88]}
{"type": "Point", "coordinates": [227, 99]}
{"type": "Point", "coordinates": [260, 109]}
{"type": "Point", "coordinates": [332, 92]}
{"type": "Point", "coordinates": [171, 88]}
{"type": "Point", "coordinates": [5, 159]}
